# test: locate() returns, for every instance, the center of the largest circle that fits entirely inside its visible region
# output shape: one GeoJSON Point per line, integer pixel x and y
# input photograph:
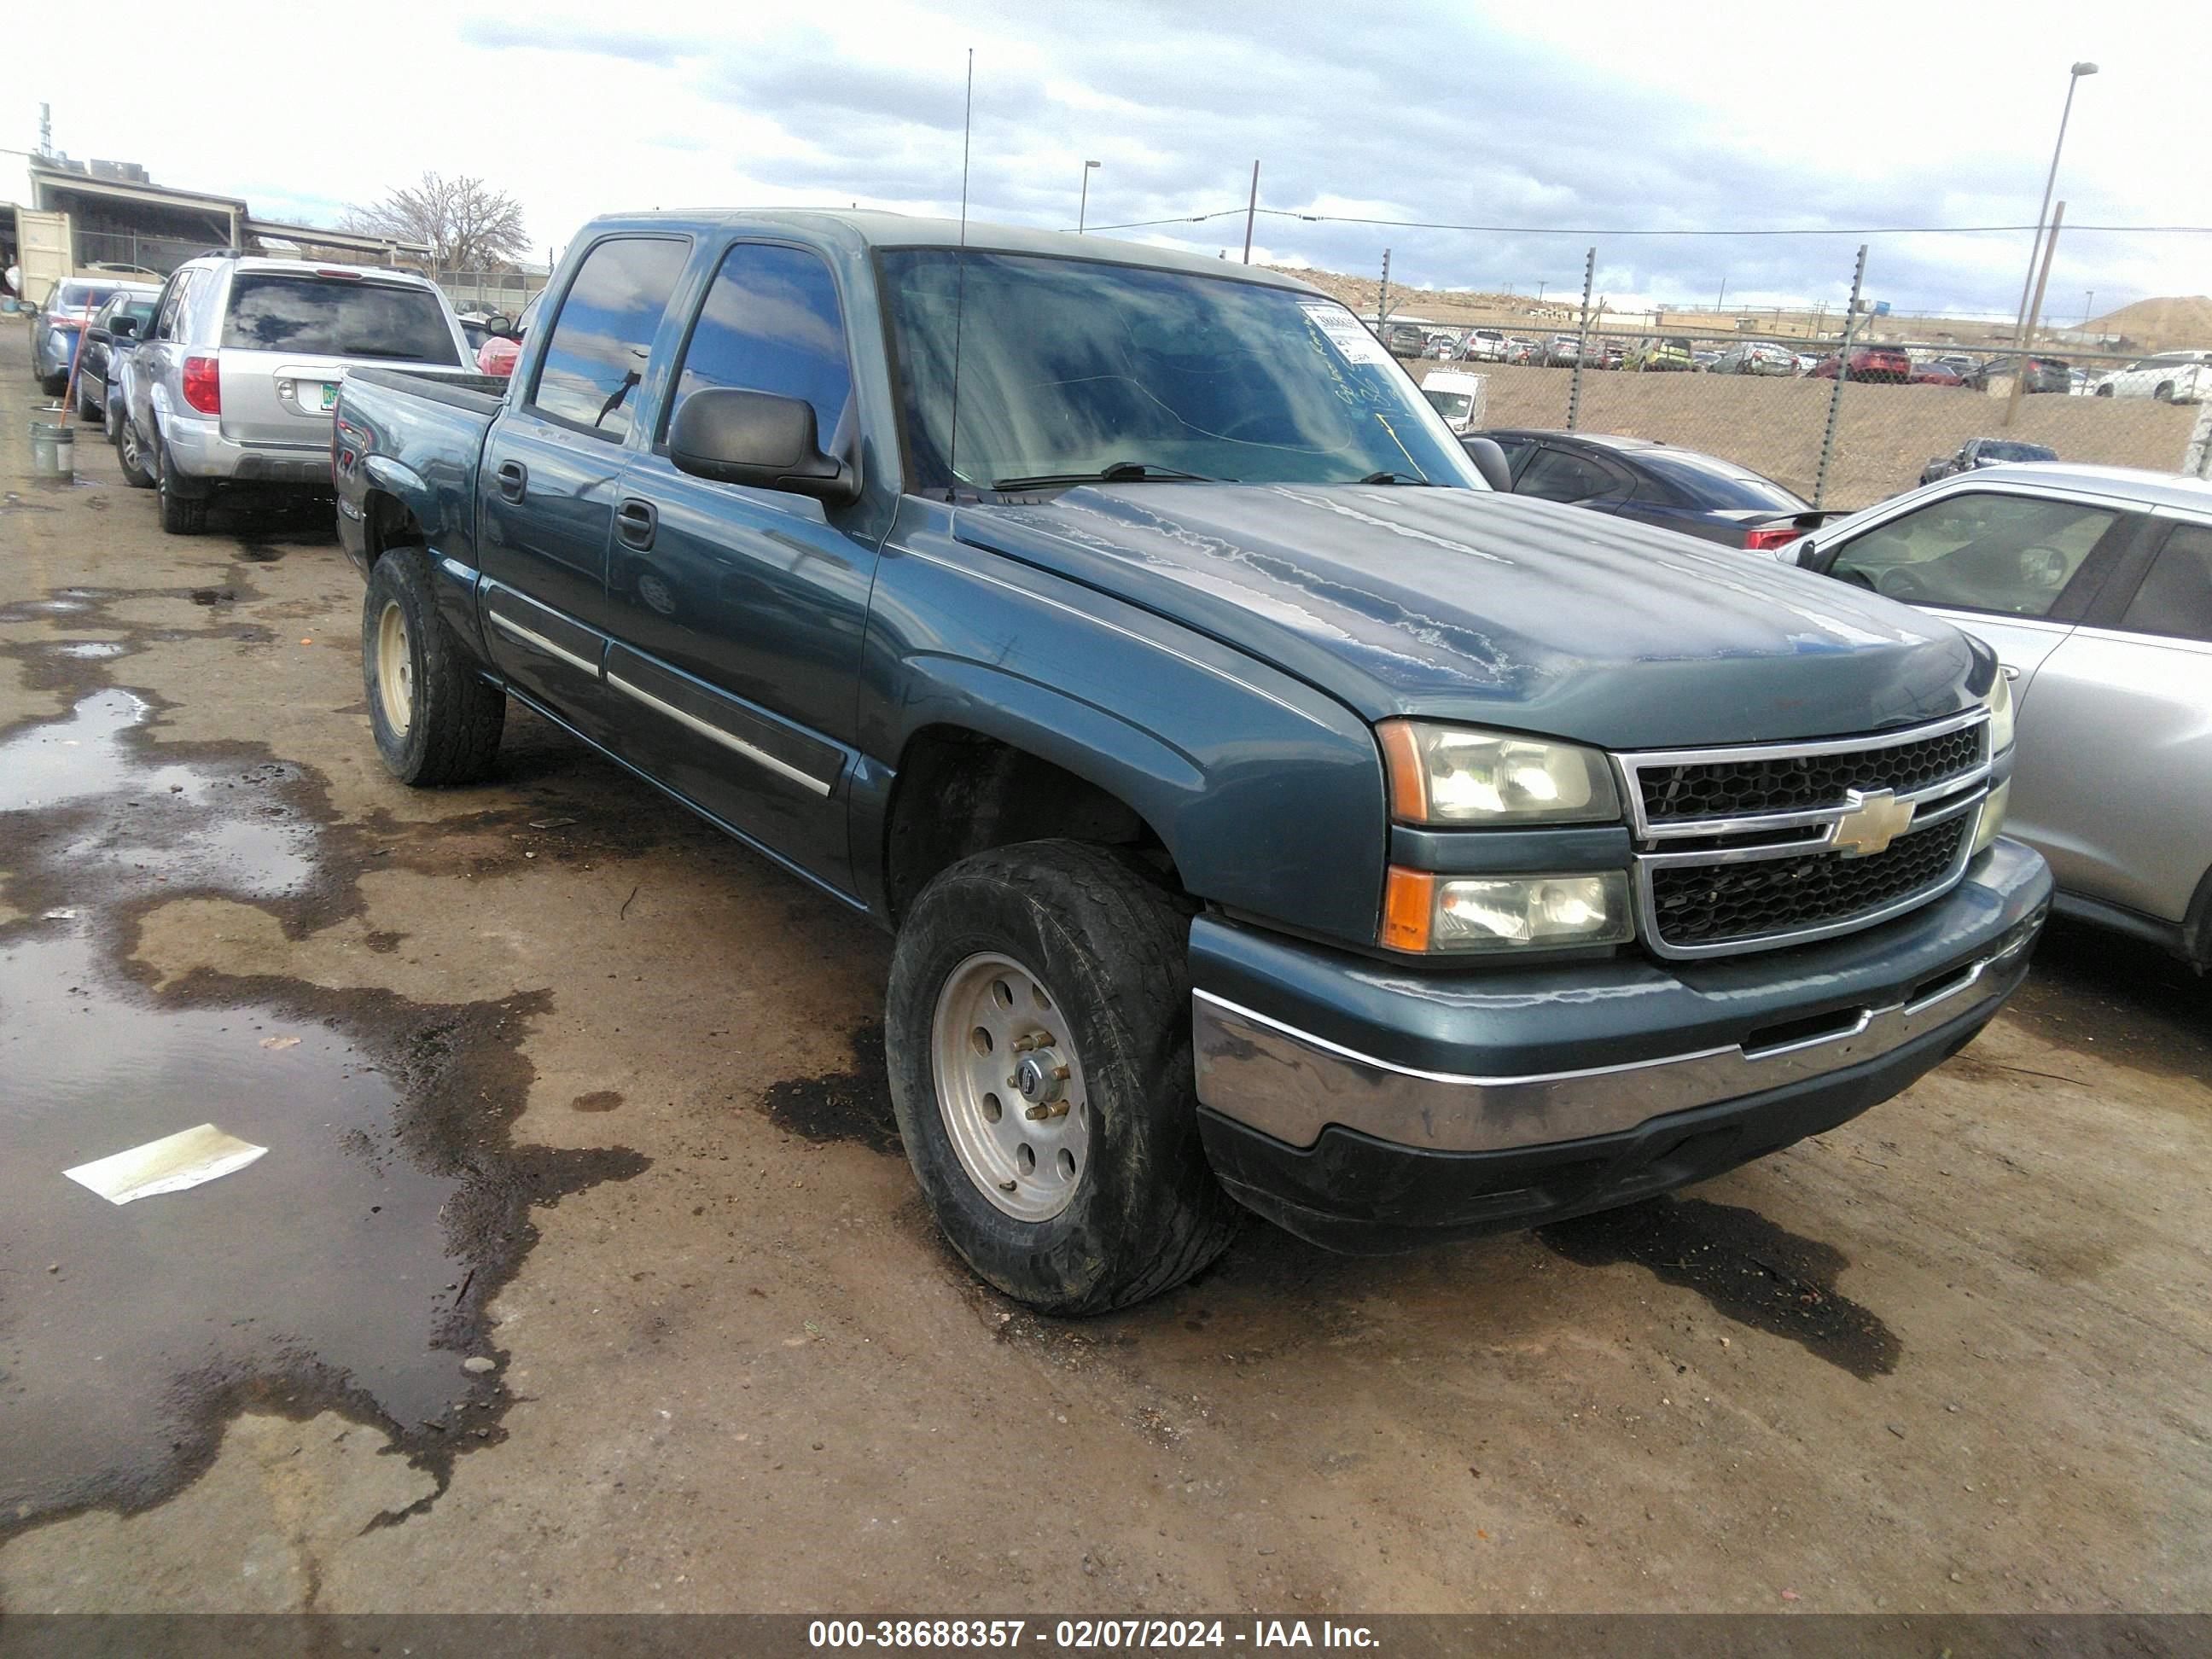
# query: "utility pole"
{"type": "Point", "coordinates": [1721, 304]}
{"type": "Point", "coordinates": [2089, 306]}
{"type": "Point", "coordinates": [1251, 207]}
{"type": "Point", "coordinates": [2034, 314]}
{"type": "Point", "coordinates": [2073, 80]}
{"type": "Point", "coordinates": [1383, 293]}
{"type": "Point", "coordinates": [1083, 202]}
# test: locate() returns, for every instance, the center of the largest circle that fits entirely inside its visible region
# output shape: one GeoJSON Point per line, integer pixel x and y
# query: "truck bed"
{"type": "Point", "coordinates": [479, 393]}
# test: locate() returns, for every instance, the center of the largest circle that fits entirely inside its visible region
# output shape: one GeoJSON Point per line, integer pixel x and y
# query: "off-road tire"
{"type": "Point", "coordinates": [455, 716]}
{"type": "Point", "coordinates": [181, 514]}
{"type": "Point", "coordinates": [125, 437]}
{"type": "Point", "coordinates": [1110, 941]}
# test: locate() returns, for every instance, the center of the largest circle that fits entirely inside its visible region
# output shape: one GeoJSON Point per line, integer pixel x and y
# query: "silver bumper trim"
{"type": "Point", "coordinates": [1291, 1084]}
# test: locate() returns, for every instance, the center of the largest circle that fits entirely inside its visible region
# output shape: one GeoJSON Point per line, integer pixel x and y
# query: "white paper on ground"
{"type": "Point", "coordinates": [167, 1165]}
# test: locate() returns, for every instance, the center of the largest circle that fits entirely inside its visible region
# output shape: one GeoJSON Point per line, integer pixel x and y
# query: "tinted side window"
{"type": "Point", "coordinates": [2010, 554]}
{"type": "Point", "coordinates": [770, 323]}
{"type": "Point", "coordinates": [1556, 476]}
{"type": "Point", "coordinates": [596, 354]}
{"type": "Point", "coordinates": [2176, 595]}
{"type": "Point", "coordinates": [1517, 451]}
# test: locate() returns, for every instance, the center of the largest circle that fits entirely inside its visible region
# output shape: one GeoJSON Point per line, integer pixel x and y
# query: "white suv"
{"type": "Point", "coordinates": [234, 385]}
{"type": "Point", "coordinates": [2172, 377]}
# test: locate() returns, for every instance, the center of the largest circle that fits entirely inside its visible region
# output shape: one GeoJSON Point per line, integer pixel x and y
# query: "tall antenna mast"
{"type": "Point", "coordinates": [960, 281]}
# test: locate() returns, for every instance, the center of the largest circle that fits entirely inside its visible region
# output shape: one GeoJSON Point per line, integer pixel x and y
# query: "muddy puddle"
{"type": "Point", "coordinates": [350, 1267]}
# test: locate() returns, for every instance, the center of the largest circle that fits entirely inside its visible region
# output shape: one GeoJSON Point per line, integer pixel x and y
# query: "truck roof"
{"type": "Point", "coordinates": [860, 228]}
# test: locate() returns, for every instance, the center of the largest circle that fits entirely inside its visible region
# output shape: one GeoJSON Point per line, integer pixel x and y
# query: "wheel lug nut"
{"type": "Point", "coordinates": [1006, 1185]}
{"type": "Point", "coordinates": [1038, 1114]}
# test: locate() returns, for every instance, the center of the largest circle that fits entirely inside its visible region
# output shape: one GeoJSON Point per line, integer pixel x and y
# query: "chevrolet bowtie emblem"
{"type": "Point", "coordinates": [1875, 819]}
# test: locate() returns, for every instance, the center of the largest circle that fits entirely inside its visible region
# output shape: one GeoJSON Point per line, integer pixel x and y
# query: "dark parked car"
{"type": "Point", "coordinates": [2042, 374]}
{"type": "Point", "coordinates": [115, 329]}
{"type": "Point", "coordinates": [1264, 810]}
{"type": "Point", "coordinates": [70, 304]}
{"type": "Point", "coordinates": [1869, 362]}
{"type": "Point", "coordinates": [1405, 340]}
{"type": "Point", "coordinates": [1985, 452]}
{"type": "Point", "coordinates": [1655, 483]}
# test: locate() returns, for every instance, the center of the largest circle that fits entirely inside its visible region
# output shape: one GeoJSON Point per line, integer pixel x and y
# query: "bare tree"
{"type": "Point", "coordinates": [468, 225]}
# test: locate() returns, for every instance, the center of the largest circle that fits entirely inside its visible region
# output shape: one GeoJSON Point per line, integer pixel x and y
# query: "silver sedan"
{"type": "Point", "coordinates": [2094, 585]}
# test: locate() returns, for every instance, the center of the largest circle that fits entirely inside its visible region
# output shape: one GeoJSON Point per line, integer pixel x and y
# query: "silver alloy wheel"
{"type": "Point", "coordinates": [130, 447]}
{"type": "Point", "coordinates": [395, 669]}
{"type": "Point", "coordinates": [1010, 1087]}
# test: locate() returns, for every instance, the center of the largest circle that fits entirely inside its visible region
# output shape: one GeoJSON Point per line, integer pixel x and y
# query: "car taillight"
{"type": "Point", "coordinates": [204, 385]}
{"type": "Point", "coordinates": [1764, 541]}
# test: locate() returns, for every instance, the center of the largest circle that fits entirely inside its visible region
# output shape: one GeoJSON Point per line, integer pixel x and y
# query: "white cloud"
{"type": "Point", "coordinates": [1735, 112]}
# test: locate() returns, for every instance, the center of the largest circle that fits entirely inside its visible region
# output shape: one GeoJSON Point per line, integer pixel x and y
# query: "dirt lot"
{"type": "Point", "coordinates": [557, 1082]}
{"type": "Point", "coordinates": [1886, 434]}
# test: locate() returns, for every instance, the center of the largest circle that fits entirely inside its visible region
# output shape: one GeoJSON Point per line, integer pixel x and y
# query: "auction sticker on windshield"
{"type": "Point", "coordinates": [1347, 334]}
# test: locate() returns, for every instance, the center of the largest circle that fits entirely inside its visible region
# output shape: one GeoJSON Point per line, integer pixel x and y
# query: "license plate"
{"type": "Point", "coordinates": [330, 396]}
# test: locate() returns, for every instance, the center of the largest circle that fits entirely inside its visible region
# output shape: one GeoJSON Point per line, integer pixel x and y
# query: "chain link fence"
{"type": "Point", "coordinates": [1843, 407]}
{"type": "Point", "coordinates": [505, 291]}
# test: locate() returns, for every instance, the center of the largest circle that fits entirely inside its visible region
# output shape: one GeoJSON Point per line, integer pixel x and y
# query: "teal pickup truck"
{"type": "Point", "coordinates": [1270, 815]}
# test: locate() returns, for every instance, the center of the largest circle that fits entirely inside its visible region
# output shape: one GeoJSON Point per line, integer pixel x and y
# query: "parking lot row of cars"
{"type": "Point", "coordinates": [2171, 376]}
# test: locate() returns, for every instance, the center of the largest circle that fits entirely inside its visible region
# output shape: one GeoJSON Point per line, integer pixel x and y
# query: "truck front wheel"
{"type": "Point", "coordinates": [1038, 1038]}
{"type": "Point", "coordinates": [436, 719]}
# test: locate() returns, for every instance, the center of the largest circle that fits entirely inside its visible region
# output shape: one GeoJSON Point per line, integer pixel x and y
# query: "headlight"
{"type": "Point", "coordinates": [1452, 775]}
{"type": "Point", "coordinates": [1425, 912]}
{"type": "Point", "coordinates": [1999, 700]}
{"type": "Point", "coordinates": [1993, 817]}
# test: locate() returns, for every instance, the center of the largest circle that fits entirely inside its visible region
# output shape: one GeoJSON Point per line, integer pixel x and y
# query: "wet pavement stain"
{"type": "Point", "coordinates": [1743, 1265]}
{"type": "Point", "coordinates": [848, 1105]}
{"type": "Point", "coordinates": [599, 1100]}
{"type": "Point", "coordinates": [349, 1269]}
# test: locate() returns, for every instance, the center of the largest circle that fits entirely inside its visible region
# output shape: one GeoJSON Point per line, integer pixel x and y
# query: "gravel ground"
{"type": "Point", "coordinates": [555, 1079]}
{"type": "Point", "coordinates": [1886, 434]}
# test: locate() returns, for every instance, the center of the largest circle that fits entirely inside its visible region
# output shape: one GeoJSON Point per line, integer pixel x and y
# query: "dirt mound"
{"type": "Point", "coordinates": [2162, 325]}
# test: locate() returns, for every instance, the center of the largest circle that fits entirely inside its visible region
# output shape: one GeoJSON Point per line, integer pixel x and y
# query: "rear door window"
{"type": "Point", "coordinates": [596, 354]}
{"type": "Point", "coordinates": [1557, 475]}
{"type": "Point", "coordinates": [2175, 599]}
{"type": "Point", "coordinates": [336, 317]}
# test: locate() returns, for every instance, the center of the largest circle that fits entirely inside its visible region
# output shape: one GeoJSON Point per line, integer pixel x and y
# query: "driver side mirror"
{"type": "Point", "coordinates": [123, 326]}
{"type": "Point", "coordinates": [759, 439]}
{"type": "Point", "coordinates": [1490, 461]}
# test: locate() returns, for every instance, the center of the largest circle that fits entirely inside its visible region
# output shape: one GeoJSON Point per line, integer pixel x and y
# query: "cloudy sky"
{"type": "Point", "coordinates": [1597, 116]}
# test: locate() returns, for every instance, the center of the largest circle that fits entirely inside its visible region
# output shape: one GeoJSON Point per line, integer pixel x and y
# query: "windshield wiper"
{"type": "Point", "coordinates": [1394, 479]}
{"type": "Point", "coordinates": [1117, 473]}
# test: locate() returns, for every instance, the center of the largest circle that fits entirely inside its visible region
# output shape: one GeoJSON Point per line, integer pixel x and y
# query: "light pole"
{"type": "Point", "coordinates": [1083, 207]}
{"type": "Point", "coordinates": [2073, 80]}
{"type": "Point", "coordinates": [2089, 306]}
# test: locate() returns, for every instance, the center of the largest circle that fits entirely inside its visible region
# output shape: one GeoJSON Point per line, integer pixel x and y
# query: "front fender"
{"type": "Point", "coordinates": [1267, 793]}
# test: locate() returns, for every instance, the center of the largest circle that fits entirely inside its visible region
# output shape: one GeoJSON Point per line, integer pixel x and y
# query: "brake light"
{"type": "Point", "coordinates": [204, 385]}
{"type": "Point", "coordinates": [1766, 541]}
{"type": "Point", "coordinates": [342, 275]}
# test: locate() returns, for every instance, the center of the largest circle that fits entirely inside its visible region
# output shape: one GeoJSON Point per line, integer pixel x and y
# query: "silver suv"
{"type": "Point", "coordinates": [234, 385]}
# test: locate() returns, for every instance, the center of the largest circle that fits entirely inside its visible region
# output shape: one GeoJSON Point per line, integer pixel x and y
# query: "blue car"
{"type": "Point", "coordinates": [56, 325]}
{"type": "Point", "coordinates": [1654, 482]}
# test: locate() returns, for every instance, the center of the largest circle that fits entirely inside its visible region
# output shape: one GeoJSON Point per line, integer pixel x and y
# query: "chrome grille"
{"type": "Point", "coordinates": [1728, 903]}
{"type": "Point", "coordinates": [1751, 849]}
{"type": "Point", "coordinates": [1794, 783]}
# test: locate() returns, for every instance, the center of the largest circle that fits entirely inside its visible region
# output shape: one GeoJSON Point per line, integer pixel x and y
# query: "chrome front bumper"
{"type": "Point", "coordinates": [1273, 1075]}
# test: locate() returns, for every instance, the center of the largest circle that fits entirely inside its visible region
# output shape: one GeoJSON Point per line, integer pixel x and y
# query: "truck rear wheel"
{"type": "Point", "coordinates": [436, 719]}
{"type": "Point", "coordinates": [1038, 1034]}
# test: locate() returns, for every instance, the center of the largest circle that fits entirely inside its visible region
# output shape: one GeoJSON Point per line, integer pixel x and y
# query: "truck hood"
{"type": "Point", "coordinates": [1500, 609]}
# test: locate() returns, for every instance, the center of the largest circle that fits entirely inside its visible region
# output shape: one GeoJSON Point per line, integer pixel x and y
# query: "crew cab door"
{"type": "Point", "coordinates": [551, 465]}
{"type": "Point", "coordinates": [738, 614]}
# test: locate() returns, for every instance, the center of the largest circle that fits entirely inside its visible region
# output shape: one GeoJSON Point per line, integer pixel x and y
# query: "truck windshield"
{"type": "Point", "coordinates": [337, 317]}
{"type": "Point", "coordinates": [1070, 366]}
